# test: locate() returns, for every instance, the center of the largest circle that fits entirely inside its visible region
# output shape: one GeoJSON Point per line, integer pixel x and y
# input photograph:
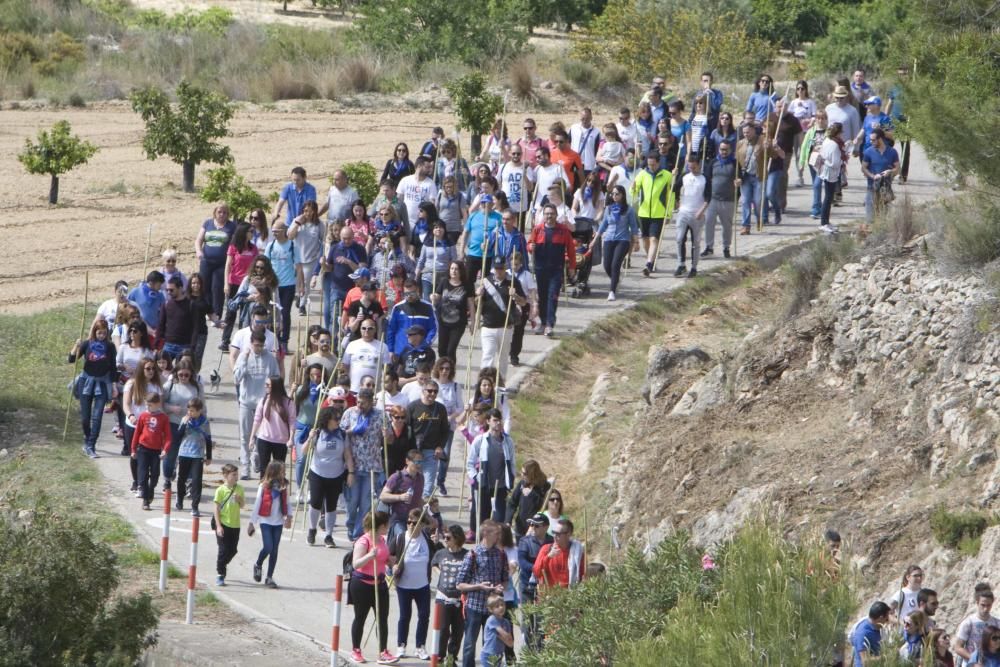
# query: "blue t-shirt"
{"type": "Point", "coordinates": [866, 638]}
{"type": "Point", "coordinates": [282, 256]}
{"type": "Point", "coordinates": [985, 660]}
{"type": "Point", "coordinates": [149, 302]}
{"type": "Point", "coordinates": [474, 231]}
{"type": "Point", "coordinates": [761, 104]}
{"type": "Point", "coordinates": [879, 162]}
{"type": "Point", "coordinates": [870, 123]}
{"type": "Point", "coordinates": [493, 646]}
{"type": "Point", "coordinates": [294, 199]}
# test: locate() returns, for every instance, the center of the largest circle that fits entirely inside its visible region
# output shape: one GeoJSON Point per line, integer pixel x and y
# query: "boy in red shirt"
{"type": "Point", "coordinates": [150, 443]}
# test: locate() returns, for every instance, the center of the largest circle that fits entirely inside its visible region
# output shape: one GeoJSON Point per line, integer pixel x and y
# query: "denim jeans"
{"type": "Point", "coordinates": [359, 500]}
{"type": "Point", "coordinates": [829, 191]}
{"type": "Point", "coordinates": [91, 417]}
{"type": "Point", "coordinates": [771, 196]}
{"type": "Point", "coordinates": [750, 191]}
{"type": "Point", "coordinates": [148, 470]}
{"type": "Point", "coordinates": [549, 286]}
{"type": "Point", "coordinates": [817, 188]}
{"type": "Point", "coordinates": [406, 597]}
{"type": "Point", "coordinates": [271, 538]}
{"type": "Point", "coordinates": [431, 468]}
{"type": "Point", "coordinates": [334, 295]}
{"type": "Point", "coordinates": [170, 462]}
{"type": "Point", "coordinates": [474, 622]}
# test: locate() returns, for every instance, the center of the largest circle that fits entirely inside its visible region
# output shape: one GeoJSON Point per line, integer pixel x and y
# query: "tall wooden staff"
{"type": "Point", "coordinates": [767, 156]}
{"type": "Point", "coordinates": [668, 202]}
{"type": "Point", "coordinates": [374, 537]}
{"type": "Point", "coordinates": [76, 363]}
{"type": "Point", "coordinates": [149, 239]}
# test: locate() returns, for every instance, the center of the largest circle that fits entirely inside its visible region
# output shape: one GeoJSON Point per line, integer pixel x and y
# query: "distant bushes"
{"type": "Point", "coordinates": [958, 530]}
{"type": "Point", "coordinates": [107, 47]}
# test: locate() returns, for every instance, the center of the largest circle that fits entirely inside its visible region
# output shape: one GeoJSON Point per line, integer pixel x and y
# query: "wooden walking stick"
{"type": "Point", "coordinates": [767, 149]}
{"type": "Point", "coordinates": [667, 208]}
{"type": "Point", "coordinates": [76, 362]}
{"type": "Point", "coordinates": [149, 239]}
{"type": "Point", "coordinates": [374, 537]}
{"type": "Point", "coordinates": [503, 338]}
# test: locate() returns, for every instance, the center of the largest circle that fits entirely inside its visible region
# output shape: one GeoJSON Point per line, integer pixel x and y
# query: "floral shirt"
{"type": "Point", "coordinates": [364, 434]}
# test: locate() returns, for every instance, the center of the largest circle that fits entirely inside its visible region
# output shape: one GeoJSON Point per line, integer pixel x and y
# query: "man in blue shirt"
{"type": "Point", "coordinates": [879, 163]}
{"type": "Point", "coordinates": [294, 195]}
{"type": "Point", "coordinates": [281, 251]}
{"type": "Point", "coordinates": [866, 638]}
{"type": "Point", "coordinates": [507, 240]}
{"type": "Point", "coordinates": [147, 297]}
{"type": "Point", "coordinates": [480, 226]}
{"type": "Point", "coordinates": [874, 119]}
{"type": "Point", "coordinates": [344, 259]}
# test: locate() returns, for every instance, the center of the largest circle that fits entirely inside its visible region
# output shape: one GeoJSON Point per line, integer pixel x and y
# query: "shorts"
{"type": "Point", "coordinates": [650, 227]}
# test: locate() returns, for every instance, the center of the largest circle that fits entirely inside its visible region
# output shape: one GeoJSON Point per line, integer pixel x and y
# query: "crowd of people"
{"type": "Point", "coordinates": [907, 621]}
{"type": "Point", "coordinates": [362, 408]}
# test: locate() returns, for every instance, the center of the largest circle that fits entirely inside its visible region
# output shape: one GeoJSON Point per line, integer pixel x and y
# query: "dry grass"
{"type": "Point", "coordinates": [286, 83]}
{"type": "Point", "coordinates": [359, 74]}
{"type": "Point", "coordinates": [521, 79]}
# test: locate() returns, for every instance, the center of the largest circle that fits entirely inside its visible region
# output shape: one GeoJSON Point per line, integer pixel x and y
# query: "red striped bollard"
{"type": "Point", "coordinates": [338, 595]}
{"type": "Point", "coordinates": [165, 540]}
{"type": "Point", "coordinates": [192, 570]}
{"type": "Point", "coordinates": [436, 632]}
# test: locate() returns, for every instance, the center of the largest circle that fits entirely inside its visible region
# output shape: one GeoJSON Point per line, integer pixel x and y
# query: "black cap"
{"type": "Point", "coordinates": [416, 329]}
{"type": "Point", "coordinates": [539, 519]}
{"type": "Point", "coordinates": [499, 262]}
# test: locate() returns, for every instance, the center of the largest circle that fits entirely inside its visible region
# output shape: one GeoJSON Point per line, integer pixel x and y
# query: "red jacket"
{"type": "Point", "coordinates": [561, 236]}
{"type": "Point", "coordinates": [152, 431]}
{"type": "Point", "coordinates": [554, 571]}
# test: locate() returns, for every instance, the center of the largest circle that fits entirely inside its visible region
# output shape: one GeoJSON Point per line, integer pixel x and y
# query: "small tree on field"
{"type": "Point", "coordinates": [185, 133]}
{"type": "Point", "coordinates": [56, 604]}
{"type": "Point", "coordinates": [224, 184]}
{"type": "Point", "coordinates": [56, 152]}
{"type": "Point", "coordinates": [476, 107]}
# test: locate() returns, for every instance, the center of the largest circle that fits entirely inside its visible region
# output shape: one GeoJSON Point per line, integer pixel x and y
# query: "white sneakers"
{"type": "Point", "coordinates": [611, 296]}
{"type": "Point", "coordinates": [828, 229]}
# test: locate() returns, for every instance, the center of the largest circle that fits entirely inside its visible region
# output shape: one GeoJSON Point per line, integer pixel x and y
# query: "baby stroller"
{"type": "Point", "coordinates": [583, 234]}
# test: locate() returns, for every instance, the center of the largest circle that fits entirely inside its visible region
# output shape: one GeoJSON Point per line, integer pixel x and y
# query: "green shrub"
{"type": "Point", "coordinates": [363, 178]}
{"type": "Point", "coordinates": [55, 564]}
{"type": "Point", "coordinates": [776, 603]}
{"type": "Point", "coordinates": [224, 184]}
{"type": "Point", "coordinates": [18, 48]}
{"type": "Point", "coordinates": [950, 529]}
{"type": "Point", "coordinates": [62, 54]}
{"type": "Point", "coordinates": [678, 44]}
{"type": "Point", "coordinates": [789, 22]}
{"type": "Point", "coordinates": [858, 37]}
{"type": "Point", "coordinates": [629, 603]}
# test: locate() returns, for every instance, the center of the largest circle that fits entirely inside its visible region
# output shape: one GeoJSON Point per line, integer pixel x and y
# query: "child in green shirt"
{"type": "Point", "coordinates": [229, 499]}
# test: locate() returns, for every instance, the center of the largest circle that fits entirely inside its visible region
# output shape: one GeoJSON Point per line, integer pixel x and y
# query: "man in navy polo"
{"type": "Point", "coordinates": [293, 196]}
{"type": "Point", "coordinates": [344, 259]}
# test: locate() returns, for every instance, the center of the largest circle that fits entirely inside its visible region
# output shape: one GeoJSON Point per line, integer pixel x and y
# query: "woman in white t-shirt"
{"type": "Point", "coordinates": [905, 601]}
{"type": "Point", "coordinates": [588, 202]}
{"type": "Point", "coordinates": [803, 108]}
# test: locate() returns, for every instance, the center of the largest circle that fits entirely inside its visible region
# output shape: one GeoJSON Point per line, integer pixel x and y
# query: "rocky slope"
{"type": "Point", "coordinates": [862, 414]}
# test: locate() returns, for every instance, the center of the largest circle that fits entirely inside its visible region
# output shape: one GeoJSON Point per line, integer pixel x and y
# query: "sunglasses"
{"type": "Point", "coordinates": [528, 127]}
{"type": "Point", "coordinates": [368, 328]}
{"type": "Point", "coordinates": [555, 500]}
{"type": "Point", "coordinates": [411, 523]}
{"type": "Point", "coordinates": [171, 261]}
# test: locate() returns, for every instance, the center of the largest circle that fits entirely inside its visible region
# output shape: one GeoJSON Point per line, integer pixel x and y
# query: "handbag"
{"type": "Point", "coordinates": [212, 523]}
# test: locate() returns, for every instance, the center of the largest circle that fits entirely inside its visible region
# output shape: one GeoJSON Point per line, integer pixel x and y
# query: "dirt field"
{"type": "Point", "coordinates": [105, 207]}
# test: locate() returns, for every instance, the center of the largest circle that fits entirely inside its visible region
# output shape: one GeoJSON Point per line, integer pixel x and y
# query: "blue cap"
{"type": "Point", "coordinates": [874, 99]}
{"type": "Point", "coordinates": [485, 199]}
{"type": "Point", "coordinates": [361, 273]}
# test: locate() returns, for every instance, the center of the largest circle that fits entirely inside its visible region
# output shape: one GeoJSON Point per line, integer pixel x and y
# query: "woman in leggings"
{"type": "Point", "coordinates": [369, 560]}
{"type": "Point", "coordinates": [330, 465]}
{"type": "Point", "coordinates": [620, 232]}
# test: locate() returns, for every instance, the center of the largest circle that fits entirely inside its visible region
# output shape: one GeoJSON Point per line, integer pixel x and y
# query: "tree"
{"type": "Point", "coordinates": [858, 38]}
{"type": "Point", "coordinates": [56, 152]}
{"type": "Point", "coordinates": [789, 22]}
{"type": "Point", "coordinates": [474, 33]}
{"type": "Point", "coordinates": [187, 133]}
{"type": "Point", "coordinates": [56, 605]}
{"type": "Point", "coordinates": [647, 40]}
{"type": "Point", "coordinates": [476, 107]}
{"type": "Point", "coordinates": [363, 178]}
{"type": "Point", "coordinates": [224, 184]}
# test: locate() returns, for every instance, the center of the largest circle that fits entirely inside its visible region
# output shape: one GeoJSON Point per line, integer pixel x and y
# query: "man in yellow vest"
{"type": "Point", "coordinates": [654, 195]}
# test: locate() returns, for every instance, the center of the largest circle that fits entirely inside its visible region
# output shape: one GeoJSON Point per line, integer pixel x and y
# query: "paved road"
{"type": "Point", "coordinates": [302, 605]}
